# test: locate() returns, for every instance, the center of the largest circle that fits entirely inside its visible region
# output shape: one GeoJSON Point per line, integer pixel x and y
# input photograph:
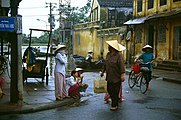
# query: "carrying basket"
{"type": "Point", "coordinates": [100, 85]}
{"type": "Point", "coordinates": [136, 68]}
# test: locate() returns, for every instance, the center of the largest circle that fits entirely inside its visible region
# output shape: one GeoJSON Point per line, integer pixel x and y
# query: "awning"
{"type": "Point", "coordinates": [136, 21]}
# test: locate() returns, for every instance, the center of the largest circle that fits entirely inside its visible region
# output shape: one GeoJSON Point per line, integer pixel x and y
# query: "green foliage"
{"type": "Point", "coordinates": [80, 15]}
{"type": "Point", "coordinates": [77, 15]}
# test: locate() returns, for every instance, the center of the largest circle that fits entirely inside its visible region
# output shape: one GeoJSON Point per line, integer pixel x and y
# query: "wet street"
{"type": "Point", "coordinates": [162, 102]}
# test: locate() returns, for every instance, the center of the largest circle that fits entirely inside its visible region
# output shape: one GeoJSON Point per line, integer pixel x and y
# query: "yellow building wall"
{"type": "Point", "coordinates": [173, 24]}
{"type": "Point", "coordinates": [138, 46]}
{"type": "Point", "coordinates": [175, 4]}
{"type": "Point", "coordinates": [82, 42]}
{"type": "Point", "coordinates": [90, 41]}
{"type": "Point", "coordinates": [163, 50]}
{"type": "Point", "coordinates": [156, 9]}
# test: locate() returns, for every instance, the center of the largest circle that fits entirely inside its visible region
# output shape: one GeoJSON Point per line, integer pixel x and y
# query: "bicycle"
{"type": "Point", "coordinates": [139, 76]}
{"type": "Point", "coordinates": [3, 66]}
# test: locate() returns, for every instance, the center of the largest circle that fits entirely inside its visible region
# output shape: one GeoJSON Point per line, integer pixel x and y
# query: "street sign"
{"type": "Point", "coordinates": [7, 24]}
{"type": "Point", "coordinates": [19, 24]}
{"type": "Point", "coordinates": [11, 24]}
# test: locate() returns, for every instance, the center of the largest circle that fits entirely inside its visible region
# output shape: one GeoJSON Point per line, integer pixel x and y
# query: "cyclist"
{"type": "Point", "coordinates": [147, 57]}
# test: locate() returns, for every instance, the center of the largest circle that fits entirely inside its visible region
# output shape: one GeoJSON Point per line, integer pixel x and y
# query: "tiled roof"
{"type": "Point", "coordinates": [115, 3]}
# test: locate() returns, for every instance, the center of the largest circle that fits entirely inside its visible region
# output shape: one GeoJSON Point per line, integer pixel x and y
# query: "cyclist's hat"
{"type": "Point", "coordinates": [146, 47]}
{"type": "Point", "coordinates": [117, 46]}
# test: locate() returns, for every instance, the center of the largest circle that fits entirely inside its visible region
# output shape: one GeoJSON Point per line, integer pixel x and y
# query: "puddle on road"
{"type": "Point", "coordinates": [143, 100]}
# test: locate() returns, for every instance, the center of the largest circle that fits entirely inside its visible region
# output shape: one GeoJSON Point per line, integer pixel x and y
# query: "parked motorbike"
{"type": "Point", "coordinates": [82, 62]}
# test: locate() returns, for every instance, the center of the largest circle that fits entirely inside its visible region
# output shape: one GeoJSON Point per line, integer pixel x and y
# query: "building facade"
{"type": "Point", "coordinates": [107, 18]}
{"type": "Point", "coordinates": [157, 23]}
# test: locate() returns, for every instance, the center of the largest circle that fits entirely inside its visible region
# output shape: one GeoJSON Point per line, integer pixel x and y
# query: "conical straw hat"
{"type": "Point", "coordinates": [146, 47]}
{"type": "Point", "coordinates": [78, 69]}
{"type": "Point", "coordinates": [60, 47]}
{"type": "Point", "coordinates": [116, 45]}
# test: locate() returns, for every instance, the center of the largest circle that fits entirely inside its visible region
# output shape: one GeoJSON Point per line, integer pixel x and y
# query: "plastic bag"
{"type": "Point", "coordinates": [100, 85]}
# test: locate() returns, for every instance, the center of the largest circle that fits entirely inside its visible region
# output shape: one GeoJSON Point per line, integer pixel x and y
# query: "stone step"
{"type": "Point", "coordinates": [167, 68]}
{"type": "Point", "coordinates": [171, 65]}
{"type": "Point", "coordinates": [172, 62]}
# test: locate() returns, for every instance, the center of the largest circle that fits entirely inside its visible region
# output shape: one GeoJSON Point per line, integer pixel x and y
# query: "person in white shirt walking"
{"type": "Point", "coordinates": [59, 72]}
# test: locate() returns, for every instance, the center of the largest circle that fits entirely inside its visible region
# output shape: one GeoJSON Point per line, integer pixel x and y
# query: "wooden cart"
{"type": "Point", "coordinates": [39, 69]}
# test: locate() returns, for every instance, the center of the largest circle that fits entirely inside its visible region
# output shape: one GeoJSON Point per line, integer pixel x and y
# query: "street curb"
{"type": "Point", "coordinates": [172, 80]}
{"type": "Point", "coordinates": [35, 108]}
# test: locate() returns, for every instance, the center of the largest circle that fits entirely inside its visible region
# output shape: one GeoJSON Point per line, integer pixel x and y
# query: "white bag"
{"type": "Point", "coordinates": [100, 85]}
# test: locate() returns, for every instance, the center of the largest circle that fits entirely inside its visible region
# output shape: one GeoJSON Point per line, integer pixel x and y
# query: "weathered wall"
{"type": "Point", "coordinates": [163, 50]}
{"type": "Point", "coordinates": [90, 39]}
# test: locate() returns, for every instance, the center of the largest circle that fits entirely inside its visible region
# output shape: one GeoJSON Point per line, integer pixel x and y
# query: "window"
{"type": "Point", "coordinates": [163, 2]}
{"type": "Point", "coordinates": [139, 5]}
{"type": "Point", "coordinates": [111, 14]}
{"type": "Point", "coordinates": [78, 40]}
{"type": "Point", "coordinates": [176, 0]}
{"type": "Point", "coordinates": [161, 33]}
{"type": "Point", "coordinates": [138, 35]}
{"type": "Point", "coordinates": [150, 4]}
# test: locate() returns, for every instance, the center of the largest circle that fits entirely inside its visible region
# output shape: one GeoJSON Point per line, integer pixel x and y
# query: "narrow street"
{"type": "Point", "coordinates": [162, 102]}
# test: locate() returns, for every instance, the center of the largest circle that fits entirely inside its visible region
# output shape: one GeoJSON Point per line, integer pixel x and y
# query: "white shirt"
{"type": "Point", "coordinates": [71, 81]}
{"type": "Point", "coordinates": [61, 61]}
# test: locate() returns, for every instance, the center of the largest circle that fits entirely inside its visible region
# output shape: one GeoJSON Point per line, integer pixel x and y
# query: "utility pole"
{"type": "Point", "coordinates": [64, 8]}
{"type": "Point", "coordinates": [51, 18]}
{"type": "Point", "coordinates": [16, 87]}
{"type": "Point", "coordinates": [65, 36]}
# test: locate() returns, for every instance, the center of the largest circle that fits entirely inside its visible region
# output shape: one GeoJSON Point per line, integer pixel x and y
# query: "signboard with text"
{"type": "Point", "coordinates": [11, 24]}
{"type": "Point", "coordinates": [7, 24]}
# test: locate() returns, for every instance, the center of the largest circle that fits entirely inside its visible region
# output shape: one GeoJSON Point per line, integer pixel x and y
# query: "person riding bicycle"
{"type": "Point", "coordinates": [147, 57]}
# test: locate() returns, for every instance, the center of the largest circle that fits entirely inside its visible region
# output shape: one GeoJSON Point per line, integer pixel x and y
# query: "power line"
{"type": "Point", "coordinates": [33, 15]}
{"type": "Point", "coordinates": [33, 8]}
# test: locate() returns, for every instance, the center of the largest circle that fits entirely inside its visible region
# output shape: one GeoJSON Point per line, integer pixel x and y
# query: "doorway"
{"type": "Point", "coordinates": [150, 35]}
{"type": "Point", "coordinates": [177, 43]}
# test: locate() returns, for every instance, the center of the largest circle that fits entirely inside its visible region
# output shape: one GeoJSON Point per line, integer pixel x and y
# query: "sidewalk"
{"type": "Point", "coordinates": [38, 96]}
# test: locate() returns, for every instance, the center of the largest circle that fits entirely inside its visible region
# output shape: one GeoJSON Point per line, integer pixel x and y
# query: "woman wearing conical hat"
{"type": "Point", "coordinates": [147, 57]}
{"type": "Point", "coordinates": [114, 67]}
{"type": "Point", "coordinates": [60, 71]}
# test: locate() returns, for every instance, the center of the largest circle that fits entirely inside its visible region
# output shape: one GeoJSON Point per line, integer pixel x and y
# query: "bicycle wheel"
{"type": "Point", "coordinates": [143, 83]}
{"type": "Point", "coordinates": [131, 79]}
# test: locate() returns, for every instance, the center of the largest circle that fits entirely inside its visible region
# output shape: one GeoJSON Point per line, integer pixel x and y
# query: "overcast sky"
{"type": "Point", "coordinates": [31, 10]}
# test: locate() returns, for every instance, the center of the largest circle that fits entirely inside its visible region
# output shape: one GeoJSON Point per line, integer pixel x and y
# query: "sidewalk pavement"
{"type": "Point", "coordinates": [38, 96]}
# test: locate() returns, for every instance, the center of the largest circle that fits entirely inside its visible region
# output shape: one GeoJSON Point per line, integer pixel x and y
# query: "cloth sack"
{"type": "Point", "coordinates": [100, 85]}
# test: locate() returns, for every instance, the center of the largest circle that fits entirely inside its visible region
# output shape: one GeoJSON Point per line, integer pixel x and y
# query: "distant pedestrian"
{"type": "Point", "coordinates": [115, 71]}
{"type": "Point", "coordinates": [38, 49]}
{"type": "Point", "coordinates": [60, 71]}
{"type": "Point", "coordinates": [147, 57]}
{"type": "Point", "coordinates": [89, 56]}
